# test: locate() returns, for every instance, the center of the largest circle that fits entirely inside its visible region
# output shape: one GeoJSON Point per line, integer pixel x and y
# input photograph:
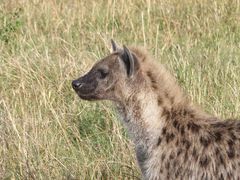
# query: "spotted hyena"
{"type": "Point", "coordinates": [173, 138]}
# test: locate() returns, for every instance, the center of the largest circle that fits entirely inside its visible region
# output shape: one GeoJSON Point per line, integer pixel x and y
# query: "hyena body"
{"type": "Point", "coordinates": [173, 139]}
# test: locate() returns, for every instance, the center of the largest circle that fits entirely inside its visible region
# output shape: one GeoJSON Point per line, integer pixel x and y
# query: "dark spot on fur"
{"type": "Point", "coordinates": [182, 130]}
{"type": "Point", "coordinates": [112, 89]}
{"type": "Point", "coordinates": [143, 59]}
{"type": "Point", "coordinates": [219, 125]}
{"type": "Point", "coordinates": [219, 157]}
{"type": "Point", "coordinates": [161, 170]}
{"type": "Point", "coordinates": [179, 151]}
{"type": "Point", "coordinates": [152, 79]}
{"type": "Point", "coordinates": [222, 161]}
{"type": "Point", "coordinates": [217, 136]}
{"type": "Point", "coordinates": [184, 112]}
{"type": "Point", "coordinates": [185, 157]}
{"type": "Point", "coordinates": [221, 177]}
{"type": "Point", "coordinates": [205, 141]}
{"type": "Point", "coordinates": [192, 115]}
{"type": "Point", "coordinates": [166, 94]}
{"type": "Point", "coordinates": [230, 142]}
{"type": "Point", "coordinates": [230, 128]}
{"type": "Point", "coordinates": [231, 152]}
{"type": "Point", "coordinates": [233, 137]}
{"type": "Point", "coordinates": [168, 175]}
{"type": "Point", "coordinates": [149, 74]}
{"type": "Point", "coordinates": [175, 124]}
{"type": "Point", "coordinates": [172, 155]}
{"type": "Point", "coordinates": [179, 170]}
{"type": "Point", "coordinates": [160, 101]}
{"type": "Point", "coordinates": [159, 141]}
{"type": "Point", "coordinates": [167, 165]}
{"type": "Point", "coordinates": [193, 127]}
{"type": "Point", "coordinates": [154, 86]}
{"type": "Point", "coordinates": [166, 113]}
{"type": "Point", "coordinates": [177, 142]}
{"type": "Point", "coordinates": [204, 161]}
{"type": "Point", "coordinates": [194, 153]}
{"type": "Point", "coordinates": [164, 131]}
{"type": "Point", "coordinates": [163, 157]}
{"type": "Point", "coordinates": [174, 113]}
{"type": "Point", "coordinates": [186, 143]}
{"type": "Point", "coordinates": [169, 137]}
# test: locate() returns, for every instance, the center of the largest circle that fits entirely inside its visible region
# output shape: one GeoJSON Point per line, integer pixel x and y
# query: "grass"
{"type": "Point", "coordinates": [47, 132]}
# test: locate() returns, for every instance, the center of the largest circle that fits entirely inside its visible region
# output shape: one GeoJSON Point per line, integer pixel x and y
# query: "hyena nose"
{"type": "Point", "coordinates": [76, 84]}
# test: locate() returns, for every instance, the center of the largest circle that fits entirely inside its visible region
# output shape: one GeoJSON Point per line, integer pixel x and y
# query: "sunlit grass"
{"type": "Point", "coordinates": [47, 132]}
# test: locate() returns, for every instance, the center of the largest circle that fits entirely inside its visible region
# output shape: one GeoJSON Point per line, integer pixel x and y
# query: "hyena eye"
{"type": "Point", "coordinates": [103, 73]}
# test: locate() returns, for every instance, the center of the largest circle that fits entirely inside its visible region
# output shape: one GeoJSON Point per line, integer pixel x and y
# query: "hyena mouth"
{"type": "Point", "coordinates": [88, 97]}
{"type": "Point", "coordinates": [85, 93]}
{"type": "Point", "coordinates": [84, 90]}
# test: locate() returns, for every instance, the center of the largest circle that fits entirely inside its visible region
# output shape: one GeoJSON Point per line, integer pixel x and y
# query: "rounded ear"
{"type": "Point", "coordinates": [130, 61]}
{"type": "Point", "coordinates": [115, 47]}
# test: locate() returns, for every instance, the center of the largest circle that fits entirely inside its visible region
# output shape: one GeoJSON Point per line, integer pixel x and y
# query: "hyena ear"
{"type": "Point", "coordinates": [130, 61]}
{"type": "Point", "coordinates": [115, 47]}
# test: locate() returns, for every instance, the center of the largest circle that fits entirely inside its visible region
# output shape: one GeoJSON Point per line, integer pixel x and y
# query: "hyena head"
{"type": "Point", "coordinates": [111, 78]}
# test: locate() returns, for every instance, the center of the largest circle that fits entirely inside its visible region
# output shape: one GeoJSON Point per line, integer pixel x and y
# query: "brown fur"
{"type": "Point", "coordinates": [173, 139]}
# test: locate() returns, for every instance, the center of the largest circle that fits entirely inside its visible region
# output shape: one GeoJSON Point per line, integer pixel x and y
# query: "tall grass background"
{"type": "Point", "coordinates": [47, 132]}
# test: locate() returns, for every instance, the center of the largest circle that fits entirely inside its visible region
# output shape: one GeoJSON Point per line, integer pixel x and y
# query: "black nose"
{"type": "Point", "coordinates": [76, 84]}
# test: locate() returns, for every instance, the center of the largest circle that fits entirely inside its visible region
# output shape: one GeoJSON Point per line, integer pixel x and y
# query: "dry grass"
{"type": "Point", "coordinates": [46, 132]}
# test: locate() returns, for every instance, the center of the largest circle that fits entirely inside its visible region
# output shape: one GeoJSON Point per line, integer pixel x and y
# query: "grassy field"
{"type": "Point", "coordinates": [47, 132]}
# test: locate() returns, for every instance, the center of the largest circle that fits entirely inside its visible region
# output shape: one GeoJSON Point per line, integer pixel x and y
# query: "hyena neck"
{"type": "Point", "coordinates": [144, 116]}
{"type": "Point", "coordinates": [150, 109]}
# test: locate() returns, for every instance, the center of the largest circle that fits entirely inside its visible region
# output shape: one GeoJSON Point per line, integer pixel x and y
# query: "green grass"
{"type": "Point", "coordinates": [47, 132]}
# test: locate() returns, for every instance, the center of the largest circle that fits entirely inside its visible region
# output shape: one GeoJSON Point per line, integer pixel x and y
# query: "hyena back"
{"type": "Point", "coordinates": [173, 139]}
